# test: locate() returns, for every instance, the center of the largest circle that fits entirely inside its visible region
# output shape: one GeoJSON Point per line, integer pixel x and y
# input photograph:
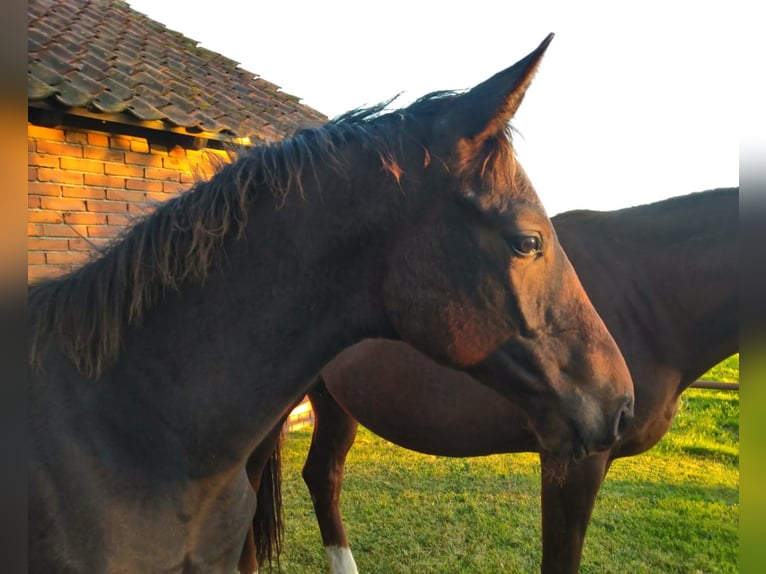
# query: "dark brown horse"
{"type": "Point", "coordinates": [158, 368]}
{"type": "Point", "coordinates": [662, 276]}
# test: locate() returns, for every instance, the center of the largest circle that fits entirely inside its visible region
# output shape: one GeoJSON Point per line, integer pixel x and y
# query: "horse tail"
{"type": "Point", "coordinates": [268, 527]}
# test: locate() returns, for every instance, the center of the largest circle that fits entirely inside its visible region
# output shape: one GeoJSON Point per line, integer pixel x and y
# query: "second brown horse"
{"type": "Point", "coordinates": [662, 277]}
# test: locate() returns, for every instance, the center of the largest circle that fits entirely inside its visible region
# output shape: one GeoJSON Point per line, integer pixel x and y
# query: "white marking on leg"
{"type": "Point", "coordinates": [341, 560]}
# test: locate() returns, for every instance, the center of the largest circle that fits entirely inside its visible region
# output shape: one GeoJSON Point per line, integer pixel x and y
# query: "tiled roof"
{"type": "Point", "coordinates": [102, 57]}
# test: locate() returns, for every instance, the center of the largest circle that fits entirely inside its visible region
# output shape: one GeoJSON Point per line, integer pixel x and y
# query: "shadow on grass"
{"type": "Point", "coordinates": [712, 452]}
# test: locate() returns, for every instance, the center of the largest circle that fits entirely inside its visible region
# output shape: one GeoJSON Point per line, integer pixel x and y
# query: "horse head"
{"type": "Point", "coordinates": [480, 282]}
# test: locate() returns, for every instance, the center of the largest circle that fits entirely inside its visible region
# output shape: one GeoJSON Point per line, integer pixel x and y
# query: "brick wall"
{"type": "Point", "coordinates": [85, 186]}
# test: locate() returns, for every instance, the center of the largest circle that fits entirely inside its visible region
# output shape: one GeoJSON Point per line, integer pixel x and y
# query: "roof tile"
{"type": "Point", "coordinates": [144, 110]}
{"type": "Point", "coordinates": [38, 89]}
{"type": "Point", "coordinates": [106, 57]}
{"type": "Point", "coordinates": [42, 73]}
{"type": "Point", "coordinates": [110, 103]}
{"type": "Point", "coordinates": [72, 96]}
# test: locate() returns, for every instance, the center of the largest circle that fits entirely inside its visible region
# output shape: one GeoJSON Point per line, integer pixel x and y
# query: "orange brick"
{"type": "Point", "coordinates": [33, 202]}
{"type": "Point", "coordinates": [122, 169]}
{"type": "Point", "coordinates": [152, 197]}
{"type": "Point", "coordinates": [83, 192]}
{"type": "Point", "coordinates": [45, 133]}
{"type": "Point", "coordinates": [173, 188]}
{"type": "Point", "coordinates": [107, 206]}
{"type": "Point", "coordinates": [58, 148]}
{"type": "Point", "coordinates": [139, 146]}
{"type": "Point", "coordinates": [42, 160]}
{"type": "Point", "coordinates": [85, 165]}
{"type": "Point", "coordinates": [139, 209]}
{"type": "Point", "coordinates": [103, 154]}
{"type": "Point", "coordinates": [101, 140]}
{"type": "Point", "coordinates": [119, 220]}
{"type": "Point", "coordinates": [64, 230]}
{"type": "Point", "coordinates": [62, 204]}
{"type": "Point", "coordinates": [143, 185]}
{"type": "Point", "coordinates": [178, 164]}
{"type": "Point", "coordinates": [177, 151]}
{"type": "Point", "coordinates": [36, 188]}
{"type": "Point", "coordinates": [144, 159]}
{"type": "Point", "coordinates": [76, 137]}
{"type": "Point", "coordinates": [194, 155]}
{"type": "Point", "coordinates": [95, 180]}
{"type": "Point", "coordinates": [95, 245]}
{"type": "Point", "coordinates": [208, 169]}
{"type": "Point", "coordinates": [34, 229]}
{"type": "Point", "coordinates": [203, 169]}
{"type": "Point", "coordinates": [35, 258]}
{"type": "Point", "coordinates": [158, 149]}
{"type": "Point", "coordinates": [59, 176]}
{"type": "Point", "coordinates": [162, 174]}
{"type": "Point", "coordinates": [31, 173]}
{"type": "Point", "coordinates": [45, 244]}
{"type": "Point", "coordinates": [121, 141]}
{"type": "Point", "coordinates": [85, 218]}
{"type": "Point", "coordinates": [121, 195]}
{"type": "Point", "coordinates": [36, 216]}
{"type": "Point", "coordinates": [104, 231]}
{"type": "Point", "coordinates": [68, 257]}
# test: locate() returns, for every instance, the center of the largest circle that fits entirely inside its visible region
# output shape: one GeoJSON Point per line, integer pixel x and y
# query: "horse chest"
{"type": "Point", "coordinates": [651, 430]}
{"type": "Point", "coordinates": [92, 511]}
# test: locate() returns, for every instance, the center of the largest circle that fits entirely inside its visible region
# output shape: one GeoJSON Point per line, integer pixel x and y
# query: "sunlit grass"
{"type": "Point", "coordinates": [726, 371]}
{"type": "Point", "coordinates": [672, 509]}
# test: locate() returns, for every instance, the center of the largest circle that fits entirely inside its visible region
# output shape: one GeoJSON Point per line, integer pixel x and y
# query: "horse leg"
{"type": "Point", "coordinates": [334, 433]}
{"type": "Point", "coordinates": [567, 503]}
{"type": "Point", "coordinates": [264, 470]}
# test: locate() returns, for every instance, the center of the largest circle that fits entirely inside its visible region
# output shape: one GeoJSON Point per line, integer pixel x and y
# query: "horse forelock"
{"type": "Point", "coordinates": [87, 311]}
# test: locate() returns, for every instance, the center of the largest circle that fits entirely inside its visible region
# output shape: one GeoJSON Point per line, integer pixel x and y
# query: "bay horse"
{"type": "Point", "coordinates": [663, 278]}
{"type": "Point", "coordinates": [156, 369]}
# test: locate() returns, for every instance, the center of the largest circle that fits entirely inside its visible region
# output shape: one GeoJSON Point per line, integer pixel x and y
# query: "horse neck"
{"type": "Point", "coordinates": [331, 268]}
{"type": "Point", "coordinates": [667, 272]}
{"type": "Point", "coordinates": [297, 285]}
{"type": "Point", "coordinates": [314, 291]}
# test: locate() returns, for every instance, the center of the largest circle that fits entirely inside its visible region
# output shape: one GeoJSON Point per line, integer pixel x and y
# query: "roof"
{"type": "Point", "coordinates": [101, 58]}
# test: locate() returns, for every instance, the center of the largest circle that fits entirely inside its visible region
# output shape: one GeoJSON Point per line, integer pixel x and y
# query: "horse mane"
{"type": "Point", "coordinates": [88, 310]}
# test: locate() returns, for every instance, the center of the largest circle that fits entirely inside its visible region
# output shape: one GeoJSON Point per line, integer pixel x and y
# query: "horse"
{"type": "Point", "coordinates": [661, 277]}
{"type": "Point", "coordinates": [159, 367]}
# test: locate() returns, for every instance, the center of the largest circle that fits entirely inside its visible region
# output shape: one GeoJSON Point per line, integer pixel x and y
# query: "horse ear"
{"type": "Point", "coordinates": [485, 110]}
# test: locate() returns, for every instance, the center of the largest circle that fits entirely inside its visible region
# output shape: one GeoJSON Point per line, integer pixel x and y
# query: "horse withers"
{"type": "Point", "coordinates": [158, 368]}
{"type": "Point", "coordinates": [661, 277]}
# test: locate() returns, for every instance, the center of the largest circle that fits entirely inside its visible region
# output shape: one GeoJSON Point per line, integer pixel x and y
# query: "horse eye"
{"type": "Point", "coordinates": [525, 245]}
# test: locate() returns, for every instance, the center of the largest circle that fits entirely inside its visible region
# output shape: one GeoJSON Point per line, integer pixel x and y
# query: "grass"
{"type": "Point", "coordinates": [726, 371]}
{"type": "Point", "coordinates": [672, 509]}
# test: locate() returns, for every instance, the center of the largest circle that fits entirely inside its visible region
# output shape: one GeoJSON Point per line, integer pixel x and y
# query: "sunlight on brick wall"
{"type": "Point", "coordinates": [301, 416]}
{"type": "Point", "coordinates": [85, 187]}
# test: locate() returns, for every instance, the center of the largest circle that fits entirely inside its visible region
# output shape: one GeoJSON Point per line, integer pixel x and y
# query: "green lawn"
{"type": "Point", "coordinates": [726, 371]}
{"type": "Point", "coordinates": [673, 509]}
